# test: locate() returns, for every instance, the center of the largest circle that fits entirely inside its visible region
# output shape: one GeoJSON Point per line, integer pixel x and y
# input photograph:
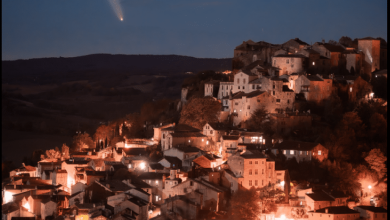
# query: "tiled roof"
{"type": "Point", "coordinates": [332, 47]}
{"type": "Point", "coordinates": [151, 176]}
{"type": "Point", "coordinates": [367, 38]}
{"type": "Point", "coordinates": [253, 156]}
{"type": "Point", "coordinates": [253, 65]}
{"type": "Point", "coordinates": [230, 137]}
{"type": "Point", "coordinates": [295, 55]}
{"type": "Point", "coordinates": [320, 196]}
{"type": "Point", "coordinates": [172, 160]}
{"type": "Point", "coordinates": [239, 95]}
{"type": "Point", "coordinates": [156, 166]}
{"type": "Point", "coordinates": [138, 201]}
{"type": "Point", "coordinates": [188, 149]}
{"type": "Point", "coordinates": [313, 78]}
{"type": "Point", "coordinates": [135, 151]}
{"type": "Point", "coordinates": [9, 207]}
{"type": "Point", "coordinates": [295, 145]}
{"type": "Point", "coordinates": [337, 210]}
{"type": "Point", "coordinates": [187, 134]}
{"type": "Point", "coordinates": [95, 173]}
{"type": "Point", "coordinates": [115, 185]}
{"type": "Point", "coordinates": [256, 81]}
{"type": "Point", "coordinates": [335, 194]}
{"type": "Point", "coordinates": [373, 208]}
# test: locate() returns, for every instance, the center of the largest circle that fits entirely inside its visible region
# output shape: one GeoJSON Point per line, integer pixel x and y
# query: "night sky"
{"type": "Point", "coordinates": [68, 28]}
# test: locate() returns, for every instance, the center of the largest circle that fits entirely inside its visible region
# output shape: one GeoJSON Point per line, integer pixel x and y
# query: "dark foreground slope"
{"type": "Point", "coordinates": [45, 100]}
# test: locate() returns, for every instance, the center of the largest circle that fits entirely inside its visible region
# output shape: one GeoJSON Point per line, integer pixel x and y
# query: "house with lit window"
{"type": "Point", "coordinates": [324, 198]}
{"type": "Point", "coordinates": [157, 181]}
{"type": "Point", "coordinates": [166, 141]}
{"type": "Point", "coordinates": [334, 213]}
{"type": "Point", "coordinates": [253, 169]}
{"type": "Point", "coordinates": [301, 151]}
{"type": "Point", "coordinates": [185, 153]}
{"type": "Point", "coordinates": [229, 144]}
{"type": "Point", "coordinates": [331, 51]}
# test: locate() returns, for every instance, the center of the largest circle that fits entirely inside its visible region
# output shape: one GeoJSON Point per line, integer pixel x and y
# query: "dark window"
{"type": "Point", "coordinates": [273, 92]}
{"type": "Point", "coordinates": [287, 61]}
{"type": "Point", "coordinates": [277, 100]}
{"type": "Point", "coordinates": [191, 183]}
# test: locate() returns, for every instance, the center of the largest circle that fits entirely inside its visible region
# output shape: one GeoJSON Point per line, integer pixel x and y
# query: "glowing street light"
{"type": "Point", "coordinates": [142, 165]}
{"type": "Point", "coordinates": [282, 183]}
{"type": "Point", "coordinates": [369, 187]}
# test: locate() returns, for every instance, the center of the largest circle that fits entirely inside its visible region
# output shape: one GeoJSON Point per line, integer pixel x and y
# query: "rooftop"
{"type": "Point", "coordinates": [337, 210]}
{"type": "Point", "coordinates": [373, 208]}
{"type": "Point", "coordinates": [295, 145]}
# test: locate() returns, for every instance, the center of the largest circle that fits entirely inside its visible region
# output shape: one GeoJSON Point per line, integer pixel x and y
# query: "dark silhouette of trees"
{"type": "Point", "coordinates": [346, 41]}
{"type": "Point", "coordinates": [198, 111]}
{"type": "Point", "coordinates": [379, 86]}
{"type": "Point", "coordinates": [82, 140]}
{"type": "Point", "coordinates": [376, 160]}
{"type": "Point", "coordinates": [244, 204]}
{"type": "Point", "coordinates": [260, 121]}
{"type": "Point", "coordinates": [237, 64]}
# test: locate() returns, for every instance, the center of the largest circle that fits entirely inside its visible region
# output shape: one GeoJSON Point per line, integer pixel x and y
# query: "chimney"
{"type": "Point", "coordinates": [173, 174]}
{"type": "Point", "coordinates": [326, 210]}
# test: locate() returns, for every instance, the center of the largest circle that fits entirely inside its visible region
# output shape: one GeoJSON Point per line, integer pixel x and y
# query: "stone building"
{"type": "Point", "coordinates": [289, 63]}
{"type": "Point", "coordinates": [229, 145]}
{"type": "Point", "coordinates": [354, 61]}
{"type": "Point", "coordinates": [314, 87]}
{"type": "Point", "coordinates": [241, 105]}
{"type": "Point", "coordinates": [278, 88]}
{"type": "Point", "coordinates": [294, 45]}
{"type": "Point", "coordinates": [180, 128]}
{"type": "Point", "coordinates": [252, 169]}
{"type": "Point", "coordinates": [371, 50]}
{"type": "Point", "coordinates": [211, 88]}
{"type": "Point", "coordinates": [250, 51]}
{"type": "Point", "coordinates": [316, 62]}
{"type": "Point", "coordinates": [187, 138]}
{"type": "Point", "coordinates": [331, 51]}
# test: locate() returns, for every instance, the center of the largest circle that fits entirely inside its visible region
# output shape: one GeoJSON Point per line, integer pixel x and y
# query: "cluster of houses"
{"type": "Point", "coordinates": [276, 76]}
{"type": "Point", "coordinates": [199, 170]}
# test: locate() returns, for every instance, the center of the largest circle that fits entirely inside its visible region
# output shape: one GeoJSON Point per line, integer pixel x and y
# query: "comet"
{"type": "Point", "coordinates": [116, 6]}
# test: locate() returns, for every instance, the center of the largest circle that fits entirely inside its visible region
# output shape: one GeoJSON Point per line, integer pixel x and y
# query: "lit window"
{"type": "Point", "coordinates": [350, 89]}
{"type": "Point", "coordinates": [319, 152]}
{"type": "Point", "coordinates": [250, 182]}
{"type": "Point", "coordinates": [256, 182]}
{"type": "Point", "coordinates": [284, 152]}
{"type": "Point", "coordinates": [291, 152]}
{"type": "Point", "coordinates": [313, 63]}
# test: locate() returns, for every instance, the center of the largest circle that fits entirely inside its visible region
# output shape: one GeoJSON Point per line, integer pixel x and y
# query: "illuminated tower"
{"type": "Point", "coordinates": [371, 50]}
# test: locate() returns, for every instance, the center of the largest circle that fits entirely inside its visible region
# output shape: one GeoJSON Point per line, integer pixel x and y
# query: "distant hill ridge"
{"type": "Point", "coordinates": [141, 64]}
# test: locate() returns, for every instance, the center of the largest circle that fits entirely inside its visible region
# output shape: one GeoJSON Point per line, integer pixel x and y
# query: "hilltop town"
{"type": "Point", "coordinates": [293, 131]}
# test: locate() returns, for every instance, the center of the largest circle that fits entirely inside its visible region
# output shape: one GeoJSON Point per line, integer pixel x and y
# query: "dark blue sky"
{"type": "Point", "coordinates": [53, 28]}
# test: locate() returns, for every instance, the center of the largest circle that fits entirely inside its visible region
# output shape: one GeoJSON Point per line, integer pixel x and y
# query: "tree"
{"type": "Point", "coordinates": [102, 132]}
{"type": "Point", "coordinates": [346, 41]}
{"type": "Point", "coordinates": [198, 111]}
{"type": "Point", "coordinates": [53, 153]}
{"type": "Point", "coordinates": [378, 127]}
{"type": "Point", "coordinates": [245, 204]}
{"type": "Point", "coordinates": [82, 140]}
{"type": "Point", "coordinates": [65, 151]}
{"type": "Point", "coordinates": [237, 64]}
{"type": "Point", "coordinates": [258, 120]}
{"type": "Point", "coordinates": [376, 161]}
